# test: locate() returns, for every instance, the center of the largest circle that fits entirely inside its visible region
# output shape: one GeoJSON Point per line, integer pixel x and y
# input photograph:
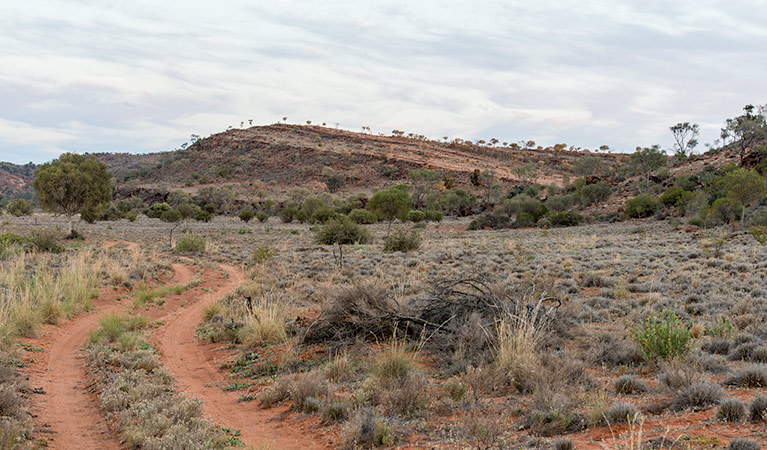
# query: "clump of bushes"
{"type": "Point", "coordinates": [19, 207]}
{"type": "Point", "coordinates": [362, 217]}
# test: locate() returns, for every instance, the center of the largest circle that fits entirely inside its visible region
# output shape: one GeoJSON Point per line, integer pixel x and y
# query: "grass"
{"type": "Point", "coordinates": [138, 395]}
{"type": "Point", "coordinates": [191, 244]}
{"type": "Point", "coordinates": [519, 336]}
{"type": "Point", "coordinates": [145, 295]}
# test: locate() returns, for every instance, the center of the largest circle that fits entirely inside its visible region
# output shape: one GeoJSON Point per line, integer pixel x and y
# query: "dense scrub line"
{"type": "Point", "coordinates": [138, 394]}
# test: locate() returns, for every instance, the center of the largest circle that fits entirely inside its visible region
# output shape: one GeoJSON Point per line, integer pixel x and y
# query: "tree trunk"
{"type": "Point", "coordinates": [742, 216]}
{"type": "Point", "coordinates": [70, 228]}
{"type": "Point", "coordinates": [388, 228]}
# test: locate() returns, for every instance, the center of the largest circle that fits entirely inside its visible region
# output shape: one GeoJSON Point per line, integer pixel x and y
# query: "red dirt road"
{"type": "Point", "coordinates": [196, 374]}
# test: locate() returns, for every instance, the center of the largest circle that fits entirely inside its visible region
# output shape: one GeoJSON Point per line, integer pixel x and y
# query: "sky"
{"type": "Point", "coordinates": [141, 75]}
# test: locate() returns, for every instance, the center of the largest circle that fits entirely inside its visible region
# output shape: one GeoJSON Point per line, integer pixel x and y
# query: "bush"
{"type": "Point", "coordinates": [629, 385]}
{"type": "Point", "coordinates": [45, 241]}
{"type": "Point", "coordinates": [247, 215]}
{"type": "Point", "coordinates": [621, 413]}
{"type": "Point", "coordinates": [697, 396]}
{"type": "Point", "coordinates": [323, 214]}
{"type": "Point", "coordinates": [676, 196]}
{"type": "Point", "coordinates": [493, 221]}
{"type": "Point", "coordinates": [19, 207]}
{"type": "Point", "coordinates": [402, 241]}
{"type": "Point", "coordinates": [743, 444]}
{"type": "Point", "coordinates": [131, 216]}
{"type": "Point", "coordinates": [562, 202]}
{"type": "Point", "coordinates": [642, 206]}
{"type": "Point", "coordinates": [749, 377]}
{"type": "Point", "coordinates": [757, 410]}
{"type": "Point", "coordinates": [665, 337]}
{"type": "Point", "coordinates": [190, 244]}
{"type": "Point", "coordinates": [262, 216]}
{"type": "Point", "coordinates": [565, 219]}
{"type": "Point", "coordinates": [725, 210]}
{"type": "Point", "coordinates": [731, 410]}
{"type": "Point", "coordinates": [156, 210]}
{"type": "Point", "coordinates": [264, 253]}
{"type": "Point", "coordinates": [433, 216]}
{"type": "Point", "coordinates": [362, 217]}
{"type": "Point", "coordinates": [524, 220]}
{"type": "Point", "coordinates": [342, 231]}
{"type": "Point", "coordinates": [416, 216]}
{"type": "Point", "coordinates": [288, 214]}
{"type": "Point", "coordinates": [596, 193]}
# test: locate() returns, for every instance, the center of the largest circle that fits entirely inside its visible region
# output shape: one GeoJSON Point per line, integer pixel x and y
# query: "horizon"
{"type": "Point", "coordinates": [138, 77]}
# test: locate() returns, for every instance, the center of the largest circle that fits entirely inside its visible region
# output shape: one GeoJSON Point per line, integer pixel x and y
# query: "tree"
{"type": "Point", "coordinates": [589, 165]}
{"type": "Point", "coordinates": [424, 183]}
{"type": "Point", "coordinates": [526, 173]}
{"type": "Point", "coordinates": [72, 184]}
{"type": "Point", "coordinates": [745, 186]}
{"type": "Point", "coordinates": [747, 129]}
{"type": "Point", "coordinates": [685, 138]}
{"type": "Point", "coordinates": [490, 186]}
{"type": "Point", "coordinates": [390, 204]}
{"type": "Point", "coordinates": [645, 161]}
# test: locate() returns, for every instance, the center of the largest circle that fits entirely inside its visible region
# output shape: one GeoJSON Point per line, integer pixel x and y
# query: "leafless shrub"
{"type": "Point", "coordinates": [483, 428]}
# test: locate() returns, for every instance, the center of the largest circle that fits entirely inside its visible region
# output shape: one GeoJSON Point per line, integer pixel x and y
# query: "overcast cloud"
{"type": "Point", "coordinates": [134, 76]}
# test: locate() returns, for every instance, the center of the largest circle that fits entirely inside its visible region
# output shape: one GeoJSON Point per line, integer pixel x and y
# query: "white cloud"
{"type": "Point", "coordinates": [142, 76]}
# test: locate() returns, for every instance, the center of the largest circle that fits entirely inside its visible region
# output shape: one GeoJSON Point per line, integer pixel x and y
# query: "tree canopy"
{"type": "Point", "coordinates": [390, 204]}
{"type": "Point", "coordinates": [72, 184]}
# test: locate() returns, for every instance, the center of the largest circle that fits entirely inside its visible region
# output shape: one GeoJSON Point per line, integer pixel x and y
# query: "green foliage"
{"type": "Point", "coordinates": [522, 203]}
{"type": "Point", "coordinates": [565, 219]}
{"type": "Point", "coordinates": [747, 129]}
{"type": "Point", "coordinates": [724, 210]}
{"type": "Point", "coordinates": [342, 231]}
{"type": "Point", "coordinates": [596, 193]}
{"type": "Point", "coordinates": [402, 241]}
{"type": "Point", "coordinates": [262, 216]}
{"type": "Point", "coordinates": [362, 216]}
{"type": "Point", "coordinates": [676, 196]}
{"type": "Point", "coordinates": [562, 202]}
{"type": "Point", "coordinates": [589, 165]}
{"type": "Point", "coordinates": [157, 209]}
{"type": "Point", "coordinates": [19, 207]}
{"type": "Point", "coordinates": [456, 201]}
{"type": "Point", "coordinates": [642, 206]}
{"type": "Point", "coordinates": [247, 215]}
{"type": "Point", "coordinates": [190, 243]}
{"type": "Point", "coordinates": [744, 186]}
{"type": "Point", "coordinates": [390, 204]}
{"type": "Point", "coordinates": [759, 233]}
{"type": "Point", "coordinates": [433, 216]}
{"type": "Point", "coordinates": [323, 214]}
{"type": "Point", "coordinates": [170, 216]}
{"type": "Point", "coordinates": [416, 216]}
{"type": "Point", "coordinates": [662, 337]}
{"type": "Point", "coordinates": [524, 220]}
{"type": "Point", "coordinates": [685, 138]}
{"type": "Point", "coordinates": [648, 159]}
{"type": "Point", "coordinates": [493, 221]}
{"type": "Point", "coordinates": [288, 214]}
{"type": "Point", "coordinates": [72, 183]}
{"type": "Point", "coordinates": [264, 253]}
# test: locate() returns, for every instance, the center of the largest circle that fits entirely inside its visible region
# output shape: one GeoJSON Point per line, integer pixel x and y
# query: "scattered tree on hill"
{"type": "Point", "coordinates": [746, 130]}
{"type": "Point", "coordinates": [71, 184]}
{"type": "Point", "coordinates": [745, 186]}
{"type": "Point", "coordinates": [527, 173]}
{"type": "Point", "coordinates": [644, 161]}
{"type": "Point", "coordinates": [685, 138]}
{"type": "Point", "coordinates": [424, 183]}
{"type": "Point", "coordinates": [588, 165]}
{"type": "Point", "coordinates": [490, 186]}
{"type": "Point", "coordinates": [390, 204]}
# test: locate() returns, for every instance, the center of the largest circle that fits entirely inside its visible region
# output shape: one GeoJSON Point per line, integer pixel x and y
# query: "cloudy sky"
{"type": "Point", "coordinates": [132, 76]}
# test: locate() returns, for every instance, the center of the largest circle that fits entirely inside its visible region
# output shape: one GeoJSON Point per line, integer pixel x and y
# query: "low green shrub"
{"type": "Point", "coordinates": [247, 215]}
{"type": "Point", "coordinates": [402, 241]}
{"type": "Point", "coordinates": [262, 216]}
{"type": "Point", "coordinates": [342, 231]}
{"type": "Point", "coordinates": [362, 217]}
{"type": "Point", "coordinates": [190, 243]}
{"type": "Point", "coordinates": [416, 216]}
{"type": "Point", "coordinates": [433, 216]}
{"type": "Point", "coordinates": [662, 337]}
{"type": "Point", "coordinates": [264, 253]}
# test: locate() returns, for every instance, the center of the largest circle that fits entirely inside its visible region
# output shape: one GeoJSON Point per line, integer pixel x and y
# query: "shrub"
{"type": "Point", "coordinates": [743, 444]}
{"type": "Point", "coordinates": [288, 214]}
{"type": "Point", "coordinates": [131, 216]}
{"type": "Point", "coordinates": [19, 207]}
{"type": "Point", "coordinates": [731, 410]}
{"type": "Point", "coordinates": [697, 396]}
{"type": "Point", "coordinates": [156, 210]}
{"type": "Point", "coordinates": [362, 217]}
{"type": "Point", "coordinates": [323, 214]}
{"type": "Point", "coordinates": [190, 244]}
{"type": "Point", "coordinates": [264, 253]}
{"type": "Point", "coordinates": [725, 210]}
{"type": "Point", "coordinates": [642, 206]}
{"type": "Point", "coordinates": [493, 221]}
{"type": "Point", "coordinates": [676, 196]}
{"type": "Point", "coordinates": [170, 216]}
{"type": "Point", "coordinates": [433, 216]}
{"type": "Point", "coordinates": [596, 193]}
{"type": "Point", "coordinates": [759, 233]}
{"type": "Point", "coordinates": [416, 216]}
{"type": "Point", "coordinates": [342, 231]}
{"type": "Point", "coordinates": [663, 337]}
{"type": "Point", "coordinates": [262, 216]}
{"type": "Point", "coordinates": [45, 241]}
{"type": "Point", "coordinates": [565, 219]}
{"type": "Point", "coordinates": [402, 241]}
{"type": "Point", "coordinates": [394, 363]}
{"type": "Point", "coordinates": [630, 385]}
{"type": "Point", "coordinates": [757, 410]}
{"type": "Point", "coordinates": [622, 413]}
{"type": "Point", "coordinates": [524, 220]}
{"type": "Point", "coordinates": [749, 377]}
{"type": "Point", "coordinates": [247, 215]}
